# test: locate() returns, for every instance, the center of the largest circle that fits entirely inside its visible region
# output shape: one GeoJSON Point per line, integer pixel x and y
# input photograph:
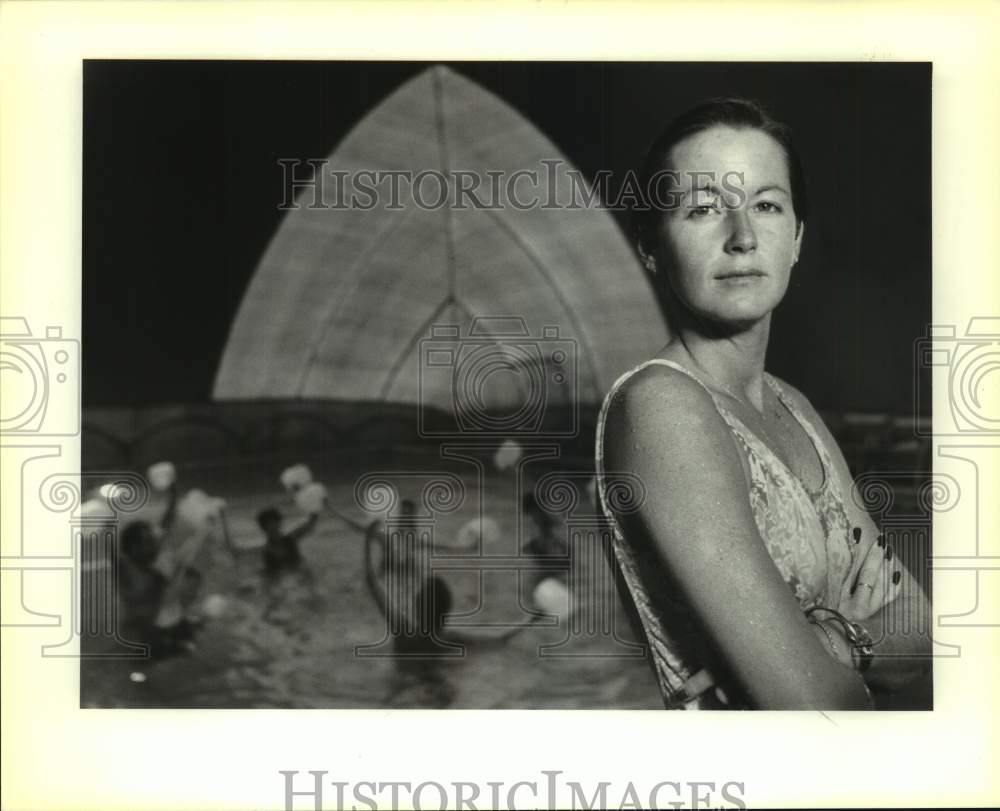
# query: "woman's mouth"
{"type": "Point", "coordinates": [736, 275]}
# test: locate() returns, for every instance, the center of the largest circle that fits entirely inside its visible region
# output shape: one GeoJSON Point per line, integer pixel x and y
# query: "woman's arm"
{"type": "Point", "coordinates": [664, 428]}
{"type": "Point", "coordinates": [900, 628]}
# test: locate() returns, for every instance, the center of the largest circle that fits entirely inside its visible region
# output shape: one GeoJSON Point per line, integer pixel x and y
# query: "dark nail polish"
{"type": "Point", "coordinates": [881, 541]}
{"type": "Point", "coordinates": [857, 534]}
{"type": "Point", "coordinates": [888, 553]}
{"type": "Point", "coordinates": [896, 577]}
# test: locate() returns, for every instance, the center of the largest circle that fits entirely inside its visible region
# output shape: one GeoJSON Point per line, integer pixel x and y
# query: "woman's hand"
{"type": "Point", "coordinates": [873, 581]}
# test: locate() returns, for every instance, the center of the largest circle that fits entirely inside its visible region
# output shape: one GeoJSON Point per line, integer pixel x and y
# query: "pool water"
{"type": "Point", "coordinates": [302, 645]}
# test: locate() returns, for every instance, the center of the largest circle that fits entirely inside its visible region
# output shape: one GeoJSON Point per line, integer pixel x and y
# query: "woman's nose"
{"type": "Point", "coordinates": [741, 235]}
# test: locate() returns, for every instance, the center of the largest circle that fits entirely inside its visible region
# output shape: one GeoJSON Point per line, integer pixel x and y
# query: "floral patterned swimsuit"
{"type": "Point", "coordinates": [806, 533]}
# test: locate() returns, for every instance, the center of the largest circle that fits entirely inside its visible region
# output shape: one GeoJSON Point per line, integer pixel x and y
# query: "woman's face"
{"type": "Point", "coordinates": [728, 243]}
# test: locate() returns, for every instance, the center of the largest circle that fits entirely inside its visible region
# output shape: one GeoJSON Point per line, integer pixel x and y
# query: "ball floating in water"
{"type": "Point", "coordinates": [552, 597]}
{"type": "Point", "coordinates": [507, 454]}
{"type": "Point", "coordinates": [296, 477]}
{"type": "Point", "coordinates": [214, 606]}
{"type": "Point", "coordinates": [110, 491]}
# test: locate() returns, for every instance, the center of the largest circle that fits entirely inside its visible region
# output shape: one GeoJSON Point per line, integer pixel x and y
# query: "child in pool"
{"type": "Point", "coordinates": [144, 586]}
{"type": "Point", "coordinates": [283, 561]}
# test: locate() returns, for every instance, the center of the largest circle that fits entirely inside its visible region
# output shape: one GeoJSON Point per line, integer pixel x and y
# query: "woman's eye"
{"type": "Point", "coordinates": [768, 207]}
{"type": "Point", "coordinates": [701, 211]}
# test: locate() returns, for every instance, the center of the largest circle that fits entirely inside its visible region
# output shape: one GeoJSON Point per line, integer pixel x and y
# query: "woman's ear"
{"type": "Point", "coordinates": [797, 246]}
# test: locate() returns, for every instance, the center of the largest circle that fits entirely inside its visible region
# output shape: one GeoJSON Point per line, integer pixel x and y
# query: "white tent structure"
{"type": "Point", "coordinates": [408, 301]}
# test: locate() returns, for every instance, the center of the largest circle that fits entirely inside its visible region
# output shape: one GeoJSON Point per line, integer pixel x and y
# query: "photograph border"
{"type": "Point", "coordinates": [56, 755]}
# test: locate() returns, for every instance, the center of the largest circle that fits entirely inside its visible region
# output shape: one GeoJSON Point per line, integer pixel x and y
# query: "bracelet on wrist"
{"type": "Point", "coordinates": [836, 648]}
{"type": "Point", "coordinates": [858, 637]}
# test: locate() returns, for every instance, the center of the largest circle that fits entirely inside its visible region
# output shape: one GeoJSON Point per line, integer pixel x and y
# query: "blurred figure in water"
{"type": "Point", "coordinates": [147, 588]}
{"type": "Point", "coordinates": [416, 601]}
{"type": "Point", "coordinates": [284, 566]}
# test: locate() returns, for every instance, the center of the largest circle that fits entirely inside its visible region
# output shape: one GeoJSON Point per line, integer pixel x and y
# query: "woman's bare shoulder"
{"type": "Point", "coordinates": [662, 410]}
{"type": "Point", "coordinates": [660, 389]}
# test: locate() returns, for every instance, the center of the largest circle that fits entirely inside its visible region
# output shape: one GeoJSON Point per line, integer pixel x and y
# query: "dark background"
{"type": "Point", "coordinates": [181, 188]}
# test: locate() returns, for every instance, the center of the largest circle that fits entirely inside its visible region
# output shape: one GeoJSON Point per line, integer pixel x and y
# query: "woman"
{"type": "Point", "coordinates": [757, 579]}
